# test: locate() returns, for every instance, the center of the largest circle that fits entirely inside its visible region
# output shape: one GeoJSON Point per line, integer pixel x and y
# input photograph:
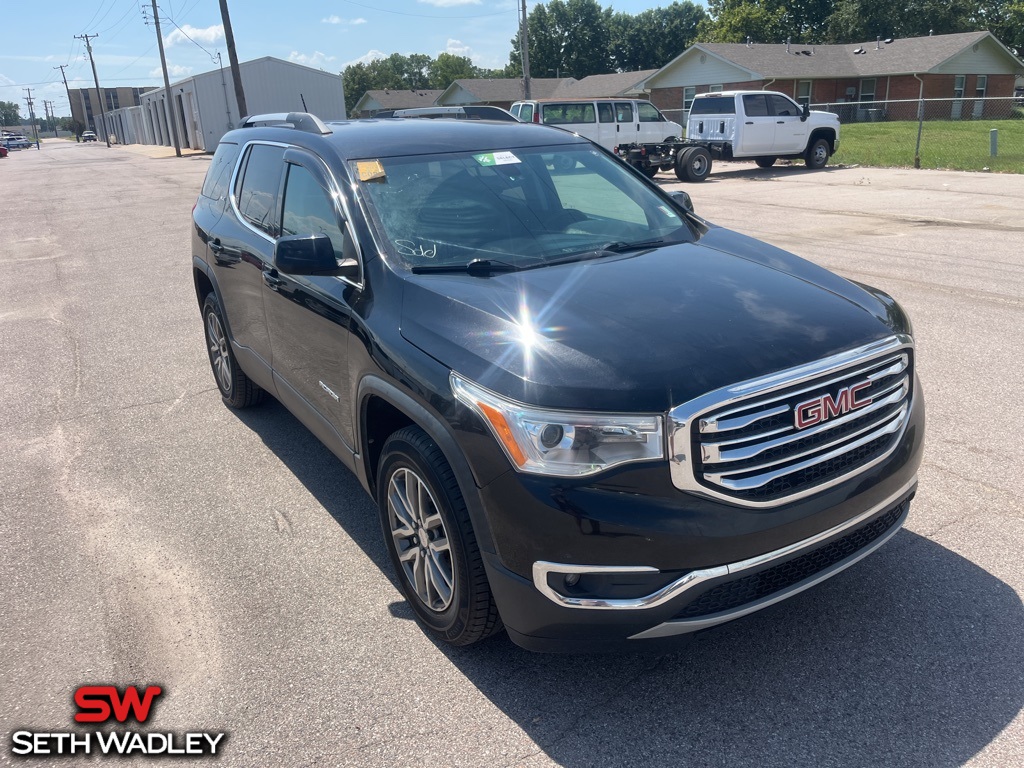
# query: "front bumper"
{"type": "Point", "coordinates": [582, 566]}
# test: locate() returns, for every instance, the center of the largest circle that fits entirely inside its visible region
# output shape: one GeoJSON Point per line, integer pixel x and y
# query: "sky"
{"type": "Point", "coordinates": [328, 35]}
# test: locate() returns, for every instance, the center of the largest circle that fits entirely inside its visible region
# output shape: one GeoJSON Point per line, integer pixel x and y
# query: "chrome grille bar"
{"type": "Point", "coordinates": [713, 453]}
{"type": "Point", "coordinates": [782, 437]}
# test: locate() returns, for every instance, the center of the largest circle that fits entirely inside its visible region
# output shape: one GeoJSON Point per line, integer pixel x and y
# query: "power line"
{"type": "Point", "coordinates": [212, 57]}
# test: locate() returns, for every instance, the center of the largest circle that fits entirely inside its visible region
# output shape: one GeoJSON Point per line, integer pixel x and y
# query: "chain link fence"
{"type": "Point", "coordinates": [967, 134]}
{"type": "Point", "coordinates": [952, 134]}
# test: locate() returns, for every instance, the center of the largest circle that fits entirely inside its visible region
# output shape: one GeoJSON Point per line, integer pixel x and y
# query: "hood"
{"type": "Point", "coordinates": [645, 331]}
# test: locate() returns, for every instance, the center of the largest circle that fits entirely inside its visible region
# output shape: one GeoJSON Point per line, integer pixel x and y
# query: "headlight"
{"type": "Point", "coordinates": [563, 443]}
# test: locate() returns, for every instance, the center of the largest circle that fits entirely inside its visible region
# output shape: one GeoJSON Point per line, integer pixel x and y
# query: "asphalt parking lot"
{"type": "Point", "coordinates": [150, 535]}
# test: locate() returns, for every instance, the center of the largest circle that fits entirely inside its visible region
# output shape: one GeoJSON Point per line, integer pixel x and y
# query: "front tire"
{"type": "Point", "coordinates": [818, 154]}
{"type": "Point", "coordinates": [236, 389]}
{"type": "Point", "coordinates": [430, 539]}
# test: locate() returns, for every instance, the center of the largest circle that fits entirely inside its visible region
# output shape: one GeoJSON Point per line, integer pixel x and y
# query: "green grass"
{"type": "Point", "coordinates": [957, 145]}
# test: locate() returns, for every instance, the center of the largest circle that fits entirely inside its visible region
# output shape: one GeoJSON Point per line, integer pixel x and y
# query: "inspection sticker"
{"type": "Point", "coordinates": [496, 158]}
{"type": "Point", "coordinates": [370, 170]}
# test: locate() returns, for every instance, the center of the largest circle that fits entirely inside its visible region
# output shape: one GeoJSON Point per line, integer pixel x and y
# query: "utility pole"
{"type": "Point", "coordinates": [227, 103]}
{"type": "Point", "coordinates": [236, 74]}
{"type": "Point", "coordinates": [524, 44]}
{"type": "Point", "coordinates": [68, 90]}
{"type": "Point", "coordinates": [51, 116]}
{"type": "Point", "coordinates": [99, 93]}
{"type": "Point", "coordinates": [32, 116]}
{"type": "Point", "coordinates": [170, 112]}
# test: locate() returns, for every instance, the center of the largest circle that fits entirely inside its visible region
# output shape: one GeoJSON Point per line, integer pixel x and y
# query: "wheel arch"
{"type": "Point", "coordinates": [829, 134]}
{"type": "Point", "coordinates": [383, 410]}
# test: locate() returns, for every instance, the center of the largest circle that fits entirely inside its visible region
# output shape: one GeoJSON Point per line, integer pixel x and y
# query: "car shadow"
{"type": "Point", "coordinates": [912, 657]}
{"type": "Point", "coordinates": [749, 171]}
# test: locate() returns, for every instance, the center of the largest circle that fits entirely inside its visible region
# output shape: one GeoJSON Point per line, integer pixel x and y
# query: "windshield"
{"type": "Point", "coordinates": [523, 207]}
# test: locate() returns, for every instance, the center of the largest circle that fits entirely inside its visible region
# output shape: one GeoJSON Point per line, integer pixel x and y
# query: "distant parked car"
{"type": "Point", "coordinates": [88, 136]}
{"type": "Point", "coordinates": [3, 151]}
{"type": "Point", "coordinates": [16, 141]}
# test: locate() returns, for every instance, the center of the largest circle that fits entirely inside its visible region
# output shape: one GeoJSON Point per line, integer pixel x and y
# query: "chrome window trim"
{"type": "Point", "coordinates": [542, 568]}
{"type": "Point", "coordinates": [682, 417]}
{"type": "Point", "coordinates": [336, 194]}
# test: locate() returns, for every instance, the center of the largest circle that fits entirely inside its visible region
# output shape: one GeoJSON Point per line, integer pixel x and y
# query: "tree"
{"type": "Point", "coordinates": [733, 21]}
{"type": "Point", "coordinates": [447, 68]}
{"type": "Point", "coordinates": [859, 20]}
{"type": "Point", "coordinates": [10, 113]}
{"type": "Point", "coordinates": [654, 37]}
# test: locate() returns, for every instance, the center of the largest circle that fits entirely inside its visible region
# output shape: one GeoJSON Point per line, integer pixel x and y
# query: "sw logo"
{"type": "Point", "coordinates": [96, 703]}
{"type": "Point", "coordinates": [103, 703]}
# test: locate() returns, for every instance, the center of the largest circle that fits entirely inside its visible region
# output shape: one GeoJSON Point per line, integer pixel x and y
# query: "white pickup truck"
{"type": "Point", "coordinates": [762, 126]}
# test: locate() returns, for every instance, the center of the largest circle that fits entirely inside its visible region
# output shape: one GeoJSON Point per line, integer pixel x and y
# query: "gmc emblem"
{"type": "Point", "coordinates": [819, 409]}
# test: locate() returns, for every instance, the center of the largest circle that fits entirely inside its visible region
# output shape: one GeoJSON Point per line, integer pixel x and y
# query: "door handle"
{"type": "Point", "coordinates": [216, 247]}
{"type": "Point", "coordinates": [781, 122]}
{"type": "Point", "coordinates": [272, 280]}
{"type": "Point", "coordinates": [749, 122]}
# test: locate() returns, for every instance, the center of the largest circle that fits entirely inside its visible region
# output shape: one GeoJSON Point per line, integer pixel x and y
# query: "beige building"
{"type": "Point", "coordinates": [85, 109]}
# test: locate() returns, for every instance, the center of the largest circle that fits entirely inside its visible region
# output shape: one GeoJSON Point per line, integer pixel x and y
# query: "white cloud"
{"type": "Point", "coordinates": [175, 70]}
{"type": "Point", "coordinates": [209, 35]}
{"type": "Point", "coordinates": [339, 20]}
{"type": "Point", "coordinates": [449, 3]}
{"type": "Point", "coordinates": [366, 58]}
{"type": "Point", "coordinates": [316, 59]}
{"type": "Point", "coordinates": [458, 48]}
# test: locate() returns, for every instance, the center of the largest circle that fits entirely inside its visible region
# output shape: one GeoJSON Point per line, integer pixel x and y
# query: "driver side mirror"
{"type": "Point", "coordinates": [805, 112]}
{"type": "Point", "coordinates": [311, 255]}
{"type": "Point", "coordinates": [683, 199]}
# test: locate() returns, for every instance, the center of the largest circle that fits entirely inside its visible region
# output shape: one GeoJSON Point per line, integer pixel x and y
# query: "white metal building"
{"type": "Point", "coordinates": [205, 107]}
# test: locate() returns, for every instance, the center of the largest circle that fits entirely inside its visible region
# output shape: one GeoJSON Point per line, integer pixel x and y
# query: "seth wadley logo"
{"type": "Point", "coordinates": [101, 703]}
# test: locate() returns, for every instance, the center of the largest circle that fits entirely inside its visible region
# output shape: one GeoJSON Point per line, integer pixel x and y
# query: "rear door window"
{"type": "Point", "coordinates": [624, 112]}
{"type": "Point", "coordinates": [755, 105]}
{"type": "Point", "coordinates": [257, 193]}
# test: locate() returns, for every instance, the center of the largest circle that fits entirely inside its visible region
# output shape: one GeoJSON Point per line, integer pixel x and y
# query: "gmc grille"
{"type": "Point", "coordinates": [787, 441]}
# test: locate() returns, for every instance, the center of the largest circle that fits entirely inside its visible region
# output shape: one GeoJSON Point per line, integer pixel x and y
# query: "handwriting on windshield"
{"type": "Point", "coordinates": [416, 250]}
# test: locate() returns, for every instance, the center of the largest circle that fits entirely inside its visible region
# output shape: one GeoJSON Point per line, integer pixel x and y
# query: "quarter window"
{"type": "Point", "coordinates": [257, 191]}
{"type": "Point", "coordinates": [218, 177]}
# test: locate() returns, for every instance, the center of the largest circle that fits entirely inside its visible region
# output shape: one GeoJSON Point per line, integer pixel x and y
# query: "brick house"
{"type": "Point", "coordinates": [496, 92]}
{"type": "Point", "coordinates": [961, 68]}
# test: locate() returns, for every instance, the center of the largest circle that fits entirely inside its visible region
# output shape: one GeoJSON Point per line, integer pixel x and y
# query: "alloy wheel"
{"type": "Point", "coordinates": [420, 539]}
{"type": "Point", "coordinates": [219, 353]}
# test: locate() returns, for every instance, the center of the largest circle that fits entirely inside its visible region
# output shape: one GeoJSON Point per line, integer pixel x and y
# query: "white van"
{"type": "Point", "coordinates": [608, 122]}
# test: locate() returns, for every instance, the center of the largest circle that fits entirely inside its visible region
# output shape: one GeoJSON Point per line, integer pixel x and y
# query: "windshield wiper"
{"type": "Point", "coordinates": [475, 267]}
{"type": "Point", "coordinates": [617, 246]}
{"type": "Point", "coordinates": [620, 246]}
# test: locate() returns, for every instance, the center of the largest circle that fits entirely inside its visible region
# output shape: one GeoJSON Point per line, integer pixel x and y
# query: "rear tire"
{"type": "Point", "coordinates": [693, 164]}
{"type": "Point", "coordinates": [818, 154]}
{"type": "Point", "coordinates": [765, 162]}
{"type": "Point", "coordinates": [430, 539]}
{"type": "Point", "coordinates": [236, 389]}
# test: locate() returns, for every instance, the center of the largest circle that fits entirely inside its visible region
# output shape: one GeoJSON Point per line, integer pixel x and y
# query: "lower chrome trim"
{"type": "Point", "coordinates": [542, 568]}
{"type": "Point", "coordinates": [684, 626]}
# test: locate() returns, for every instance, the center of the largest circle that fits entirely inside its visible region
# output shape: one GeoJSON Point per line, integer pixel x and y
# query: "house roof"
{"type": "Point", "coordinates": [395, 99]}
{"type": "Point", "coordinates": [901, 56]}
{"type": "Point", "coordinates": [597, 86]}
{"type": "Point", "coordinates": [503, 89]}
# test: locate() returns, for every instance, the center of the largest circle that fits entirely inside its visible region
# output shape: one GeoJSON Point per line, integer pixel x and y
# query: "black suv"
{"type": "Point", "coordinates": [585, 413]}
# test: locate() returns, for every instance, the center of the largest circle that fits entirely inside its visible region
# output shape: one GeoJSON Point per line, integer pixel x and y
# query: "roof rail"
{"type": "Point", "coordinates": [300, 121]}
